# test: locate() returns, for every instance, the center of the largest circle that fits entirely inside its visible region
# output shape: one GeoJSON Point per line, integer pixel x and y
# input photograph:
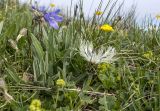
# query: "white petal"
{"type": "Point", "coordinates": [86, 50]}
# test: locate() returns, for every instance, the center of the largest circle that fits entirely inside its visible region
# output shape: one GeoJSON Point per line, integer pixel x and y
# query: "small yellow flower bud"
{"type": "Point", "coordinates": [103, 67]}
{"type": "Point", "coordinates": [32, 108]}
{"type": "Point", "coordinates": [38, 109]}
{"type": "Point", "coordinates": [36, 103]}
{"type": "Point", "coordinates": [60, 82]}
{"type": "Point", "coordinates": [148, 55]}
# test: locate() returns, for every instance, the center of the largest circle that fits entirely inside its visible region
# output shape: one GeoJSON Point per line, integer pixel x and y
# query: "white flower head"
{"type": "Point", "coordinates": [99, 56]}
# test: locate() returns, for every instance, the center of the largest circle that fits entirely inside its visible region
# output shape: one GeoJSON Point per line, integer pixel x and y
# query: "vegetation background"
{"type": "Point", "coordinates": [42, 69]}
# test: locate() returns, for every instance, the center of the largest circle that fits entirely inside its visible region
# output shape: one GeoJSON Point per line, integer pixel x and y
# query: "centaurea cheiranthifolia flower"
{"type": "Point", "coordinates": [52, 18]}
{"type": "Point", "coordinates": [100, 56]}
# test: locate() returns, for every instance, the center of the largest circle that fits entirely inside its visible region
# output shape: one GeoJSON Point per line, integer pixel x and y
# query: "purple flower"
{"type": "Point", "coordinates": [51, 17]}
{"type": "Point", "coordinates": [41, 9]}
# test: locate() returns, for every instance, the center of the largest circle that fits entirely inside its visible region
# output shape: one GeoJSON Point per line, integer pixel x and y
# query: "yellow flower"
{"type": "Point", "coordinates": [32, 108]}
{"type": "Point", "coordinates": [60, 82]}
{"type": "Point", "coordinates": [148, 55]}
{"type": "Point", "coordinates": [38, 109]}
{"type": "Point", "coordinates": [158, 17]}
{"type": "Point", "coordinates": [98, 12]}
{"type": "Point", "coordinates": [103, 67]}
{"type": "Point", "coordinates": [52, 5]}
{"type": "Point", "coordinates": [106, 28]}
{"type": "Point", "coordinates": [36, 103]}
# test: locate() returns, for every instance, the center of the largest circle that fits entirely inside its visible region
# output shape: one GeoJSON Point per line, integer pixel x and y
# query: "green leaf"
{"type": "Point", "coordinates": [1, 26]}
{"type": "Point", "coordinates": [107, 103]}
{"type": "Point", "coordinates": [11, 30]}
{"type": "Point", "coordinates": [104, 104]}
{"type": "Point", "coordinates": [45, 38]}
{"type": "Point", "coordinates": [13, 75]}
{"type": "Point", "coordinates": [37, 47]}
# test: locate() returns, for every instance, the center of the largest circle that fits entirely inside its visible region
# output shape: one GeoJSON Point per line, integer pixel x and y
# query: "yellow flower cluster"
{"type": "Point", "coordinates": [60, 82]}
{"type": "Point", "coordinates": [102, 68]}
{"type": "Point", "coordinates": [107, 28]}
{"type": "Point", "coordinates": [148, 55]}
{"type": "Point", "coordinates": [35, 105]}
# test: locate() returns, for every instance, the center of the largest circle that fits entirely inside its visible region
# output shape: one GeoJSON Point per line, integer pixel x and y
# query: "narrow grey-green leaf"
{"type": "Point", "coordinates": [45, 38]}
{"type": "Point", "coordinates": [1, 26]}
{"type": "Point", "coordinates": [13, 75]}
{"type": "Point", "coordinates": [37, 47]}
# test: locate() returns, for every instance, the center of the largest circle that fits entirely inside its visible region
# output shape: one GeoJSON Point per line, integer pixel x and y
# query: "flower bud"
{"type": "Point", "coordinates": [13, 44]}
{"type": "Point", "coordinates": [60, 82]}
{"type": "Point", "coordinates": [22, 33]}
{"type": "Point", "coordinates": [36, 103]}
{"type": "Point", "coordinates": [2, 84]}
